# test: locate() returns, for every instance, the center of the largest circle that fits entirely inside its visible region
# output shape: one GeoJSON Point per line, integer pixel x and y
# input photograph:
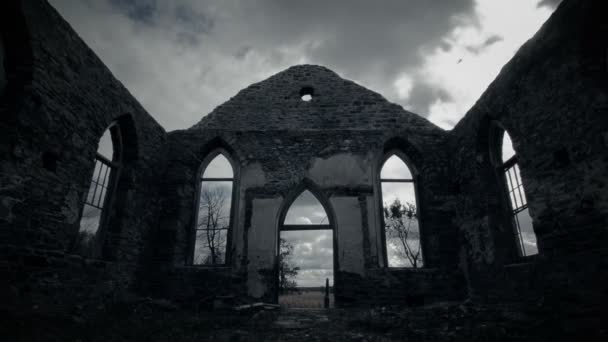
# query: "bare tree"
{"type": "Point", "coordinates": [401, 224]}
{"type": "Point", "coordinates": [212, 227]}
{"type": "Point", "coordinates": [286, 271]}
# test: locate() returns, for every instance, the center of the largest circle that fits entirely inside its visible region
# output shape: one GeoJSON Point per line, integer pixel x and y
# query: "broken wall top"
{"type": "Point", "coordinates": [337, 104]}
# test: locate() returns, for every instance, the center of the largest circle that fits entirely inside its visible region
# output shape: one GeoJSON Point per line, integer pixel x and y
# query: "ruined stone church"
{"type": "Point", "coordinates": [527, 227]}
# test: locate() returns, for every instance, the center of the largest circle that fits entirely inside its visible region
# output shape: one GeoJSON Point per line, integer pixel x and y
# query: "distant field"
{"type": "Point", "coordinates": [307, 298]}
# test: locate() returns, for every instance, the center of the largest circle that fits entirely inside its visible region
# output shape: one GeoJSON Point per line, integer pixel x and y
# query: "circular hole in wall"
{"type": "Point", "coordinates": [307, 93]}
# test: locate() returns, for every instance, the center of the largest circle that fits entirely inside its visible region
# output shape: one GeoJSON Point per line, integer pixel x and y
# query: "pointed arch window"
{"type": "Point", "coordinates": [305, 213]}
{"type": "Point", "coordinates": [508, 167]}
{"type": "Point", "coordinates": [400, 214]}
{"type": "Point", "coordinates": [214, 211]}
{"type": "Point", "coordinates": [98, 199]}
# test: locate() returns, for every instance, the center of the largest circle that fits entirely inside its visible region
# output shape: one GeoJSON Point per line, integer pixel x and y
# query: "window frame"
{"type": "Point", "coordinates": [115, 166]}
{"type": "Point", "coordinates": [501, 169]}
{"type": "Point", "coordinates": [316, 226]}
{"type": "Point", "coordinates": [233, 207]}
{"type": "Point", "coordinates": [415, 181]}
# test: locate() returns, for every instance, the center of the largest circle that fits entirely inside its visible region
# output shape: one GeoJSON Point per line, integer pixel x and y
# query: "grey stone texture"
{"type": "Point", "coordinates": [59, 98]}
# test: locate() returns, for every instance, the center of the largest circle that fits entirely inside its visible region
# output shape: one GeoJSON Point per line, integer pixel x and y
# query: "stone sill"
{"type": "Point", "coordinates": [522, 261]}
{"type": "Point", "coordinates": [404, 269]}
{"type": "Point", "coordinates": [203, 268]}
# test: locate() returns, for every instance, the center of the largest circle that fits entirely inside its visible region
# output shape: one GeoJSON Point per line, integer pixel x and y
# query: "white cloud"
{"type": "Point", "coordinates": [313, 254]}
{"type": "Point", "coordinates": [403, 86]}
{"type": "Point", "coordinates": [465, 73]}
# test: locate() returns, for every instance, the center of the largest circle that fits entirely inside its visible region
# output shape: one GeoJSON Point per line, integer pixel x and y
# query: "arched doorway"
{"type": "Point", "coordinates": [306, 256]}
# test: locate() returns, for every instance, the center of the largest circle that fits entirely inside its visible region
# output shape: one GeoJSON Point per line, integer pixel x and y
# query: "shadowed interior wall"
{"type": "Point", "coordinates": [551, 98]}
{"type": "Point", "coordinates": [55, 109]}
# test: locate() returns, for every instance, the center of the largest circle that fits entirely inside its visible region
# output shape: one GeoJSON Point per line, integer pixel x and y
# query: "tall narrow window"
{"type": "Point", "coordinates": [107, 164]}
{"type": "Point", "coordinates": [214, 212]}
{"type": "Point", "coordinates": [518, 204]}
{"type": "Point", "coordinates": [400, 213]}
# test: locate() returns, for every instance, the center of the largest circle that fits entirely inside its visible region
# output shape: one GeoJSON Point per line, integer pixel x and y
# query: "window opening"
{"type": "Point", "coordinates": [400, 214]}
{"type": "Point", "coordinates": [306, 94]}
{"type": "Point", "coordinates": [214, 212]}
{"type": "Point", "coordinates": [306, 210]}
{"type": "Point", "coordinates": [104, 174]}
{"type": "Point", "coordinates": [518, 203]}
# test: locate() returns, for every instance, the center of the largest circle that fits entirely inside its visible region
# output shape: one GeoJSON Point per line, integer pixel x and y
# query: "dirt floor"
{"type": "Point", "coordinates": [312, 299]}
{"type": "Point", "coordinates": [163, 321]}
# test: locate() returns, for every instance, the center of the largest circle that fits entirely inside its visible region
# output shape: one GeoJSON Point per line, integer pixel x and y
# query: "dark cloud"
{"type": "Point", "coordinates": [151, 12]}
{"type": "Point", "coordinates": [423, 95]}
{"type": "Point", "coordinates": [183, 58]}
{"type": "Point", "coordinates": [363, 40]}
{"type": "Point", "coordinates": [192, 20]}
{"type": "Point", "coordinates": [144, 11]}
{"type": "Point", "coordinates": [242, 51]}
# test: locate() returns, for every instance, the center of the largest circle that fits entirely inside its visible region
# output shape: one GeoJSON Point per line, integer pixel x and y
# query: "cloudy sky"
{"type": "Point", "coordinates": [312, 250]}
{"type": "Point", "coordinates": [182, 58]}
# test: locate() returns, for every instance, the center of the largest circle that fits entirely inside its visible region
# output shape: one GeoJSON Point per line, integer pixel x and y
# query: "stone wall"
{"type": "Point", "coordinates": [552, 100]}
{"type": "Point", "coordinates": [342, 168]}
{"type": "Point", "coordinates": [59, 100]}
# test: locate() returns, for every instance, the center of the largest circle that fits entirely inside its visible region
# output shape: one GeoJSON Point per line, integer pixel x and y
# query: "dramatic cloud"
{"type": "Point", "coordinates": [457, 72]}
{"type": "Point", "coordinates": [183, 58]}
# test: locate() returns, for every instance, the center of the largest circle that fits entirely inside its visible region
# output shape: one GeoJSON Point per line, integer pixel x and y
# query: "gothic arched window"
{"type": "Point", "coordinates": [306, 210]}
{"type": "Point", "coordinates": [214, 211]}
{"type": "Point", "coordinates": [507, 165]}
{"type": "Point", "coordinates": [105, 175]}
{"type": "Point", "coordinates": [400, 214]}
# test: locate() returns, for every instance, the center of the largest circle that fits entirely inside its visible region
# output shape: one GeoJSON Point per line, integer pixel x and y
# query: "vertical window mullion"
{"type": "Point", "coordinates": [519, 235]}
{"type": "Point", "coordinates": [96, 181]}
{"type": "Point", "coordinates": [103, 187]}
{"type": "Point", "coordinates": [511, 190]}
{"type": "Point", "coordinates": [519, 185]}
